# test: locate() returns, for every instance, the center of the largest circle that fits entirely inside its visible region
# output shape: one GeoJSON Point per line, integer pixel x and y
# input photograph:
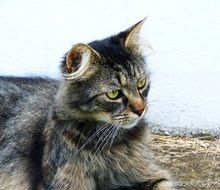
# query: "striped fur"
{"type": "Point", "coordinates": [69, 135]}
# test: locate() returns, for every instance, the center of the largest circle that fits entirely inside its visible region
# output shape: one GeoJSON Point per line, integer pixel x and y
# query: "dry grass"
{"type": "Point", "coordinates": [193, 162]}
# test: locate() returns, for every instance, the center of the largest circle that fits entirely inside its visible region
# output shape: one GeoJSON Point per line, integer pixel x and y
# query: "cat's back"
{"type": "Point", "coordinates": [18, 93]}
{"type": "Point", "coordinates": [24, 106]}
{"type": "Point", "coordinates": [25, 85]}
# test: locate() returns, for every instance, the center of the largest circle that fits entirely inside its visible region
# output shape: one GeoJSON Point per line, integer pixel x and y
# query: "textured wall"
{"type": "Point", "coordinates": [185, 35]}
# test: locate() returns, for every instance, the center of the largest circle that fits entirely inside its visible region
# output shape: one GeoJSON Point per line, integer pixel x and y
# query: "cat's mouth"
{"type": "Point", "coordinates": [128, 119]}
{"type": "Point", "coordinates": [128, 124]}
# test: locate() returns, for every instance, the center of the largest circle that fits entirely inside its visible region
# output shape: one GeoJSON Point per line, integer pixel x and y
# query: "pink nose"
{"type": "Point", "coordinates": [137, 107]}
{"type": "Point", "coordinates": [138, 112]}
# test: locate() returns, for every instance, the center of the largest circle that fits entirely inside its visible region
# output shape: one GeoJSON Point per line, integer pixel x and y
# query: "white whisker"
{"type": "Point", "coordinates": [100, 139]}
{"type": "Point", "coordinates": [102, 128]}
{"type": "Point", "coordinates": [114, 135]}
{"type": "Point", "coordinates": [109, 137]}
{"type": "Point", "coordinates": [105, 141]}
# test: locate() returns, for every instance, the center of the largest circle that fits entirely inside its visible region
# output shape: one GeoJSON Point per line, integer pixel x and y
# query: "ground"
{"type": "Point", "coordinates": [193, 162]}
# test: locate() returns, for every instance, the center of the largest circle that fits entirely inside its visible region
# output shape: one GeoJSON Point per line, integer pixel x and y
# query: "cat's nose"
{"type": "Point", "coordinates": [137, 107]}
{"type": "Point", "coordinates": [138, 112]}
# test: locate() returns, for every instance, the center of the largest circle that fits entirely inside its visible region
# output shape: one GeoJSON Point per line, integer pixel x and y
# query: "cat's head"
{"type": "Point", "coordinates": [106, 80]}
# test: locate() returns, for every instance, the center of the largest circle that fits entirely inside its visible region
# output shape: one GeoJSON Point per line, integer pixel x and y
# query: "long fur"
{"type": "Point", "coordinates": [68, 134]}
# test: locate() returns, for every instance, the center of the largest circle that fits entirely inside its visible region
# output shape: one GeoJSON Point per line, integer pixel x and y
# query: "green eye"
{"type": "Point", "coordinates": [113, 94]}
{"type": "Point", "coordinates": [141, 83]}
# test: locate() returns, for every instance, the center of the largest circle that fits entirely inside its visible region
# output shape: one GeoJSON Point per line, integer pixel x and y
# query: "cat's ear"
{"type": "Point", "coordinates": [131, 37]}
{"type": "Point", "coordinates": [78, 61]}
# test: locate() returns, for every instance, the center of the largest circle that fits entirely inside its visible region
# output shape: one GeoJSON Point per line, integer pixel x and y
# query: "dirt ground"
{"type": "Point", "coordinates": [193, 162]}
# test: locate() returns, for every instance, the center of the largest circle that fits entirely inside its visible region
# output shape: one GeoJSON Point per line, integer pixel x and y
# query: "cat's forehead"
{"type": "Point", "coordinates": [127, 67]}
{"type": "Point", "coordinates": [121, 74]}
{"type": "Point", "coordinates": [119, 63]}
{"type": "Point", "coordinates": [129, 77]}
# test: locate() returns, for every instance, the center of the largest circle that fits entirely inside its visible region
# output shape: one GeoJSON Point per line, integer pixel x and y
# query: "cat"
{"type": "Point", "coordinates": [86, 131]}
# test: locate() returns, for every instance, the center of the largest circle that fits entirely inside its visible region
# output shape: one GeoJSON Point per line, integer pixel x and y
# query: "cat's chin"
{"type": "Point", "coordinates": [130, 124]}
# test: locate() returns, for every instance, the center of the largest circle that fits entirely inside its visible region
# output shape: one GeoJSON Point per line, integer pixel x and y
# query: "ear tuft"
{"type": "Point", "coordinates": [133, 34]}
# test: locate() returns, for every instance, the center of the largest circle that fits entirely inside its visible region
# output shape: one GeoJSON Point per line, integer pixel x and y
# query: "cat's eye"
{"type": "Point", "coordinates": [113, 95]}
{"type": "Point", "coordinates": [141, 83]}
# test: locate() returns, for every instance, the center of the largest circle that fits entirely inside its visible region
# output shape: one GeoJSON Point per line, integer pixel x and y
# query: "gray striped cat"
{"type": "Point", "coordinates": [86, 131]}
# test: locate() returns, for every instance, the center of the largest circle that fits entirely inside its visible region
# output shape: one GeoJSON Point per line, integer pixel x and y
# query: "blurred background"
{"type": "Point", "coordinates": [184, 66]}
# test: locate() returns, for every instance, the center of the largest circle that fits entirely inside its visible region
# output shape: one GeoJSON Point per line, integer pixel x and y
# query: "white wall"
{"type": "Point", "coordinates": [185, 35]}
